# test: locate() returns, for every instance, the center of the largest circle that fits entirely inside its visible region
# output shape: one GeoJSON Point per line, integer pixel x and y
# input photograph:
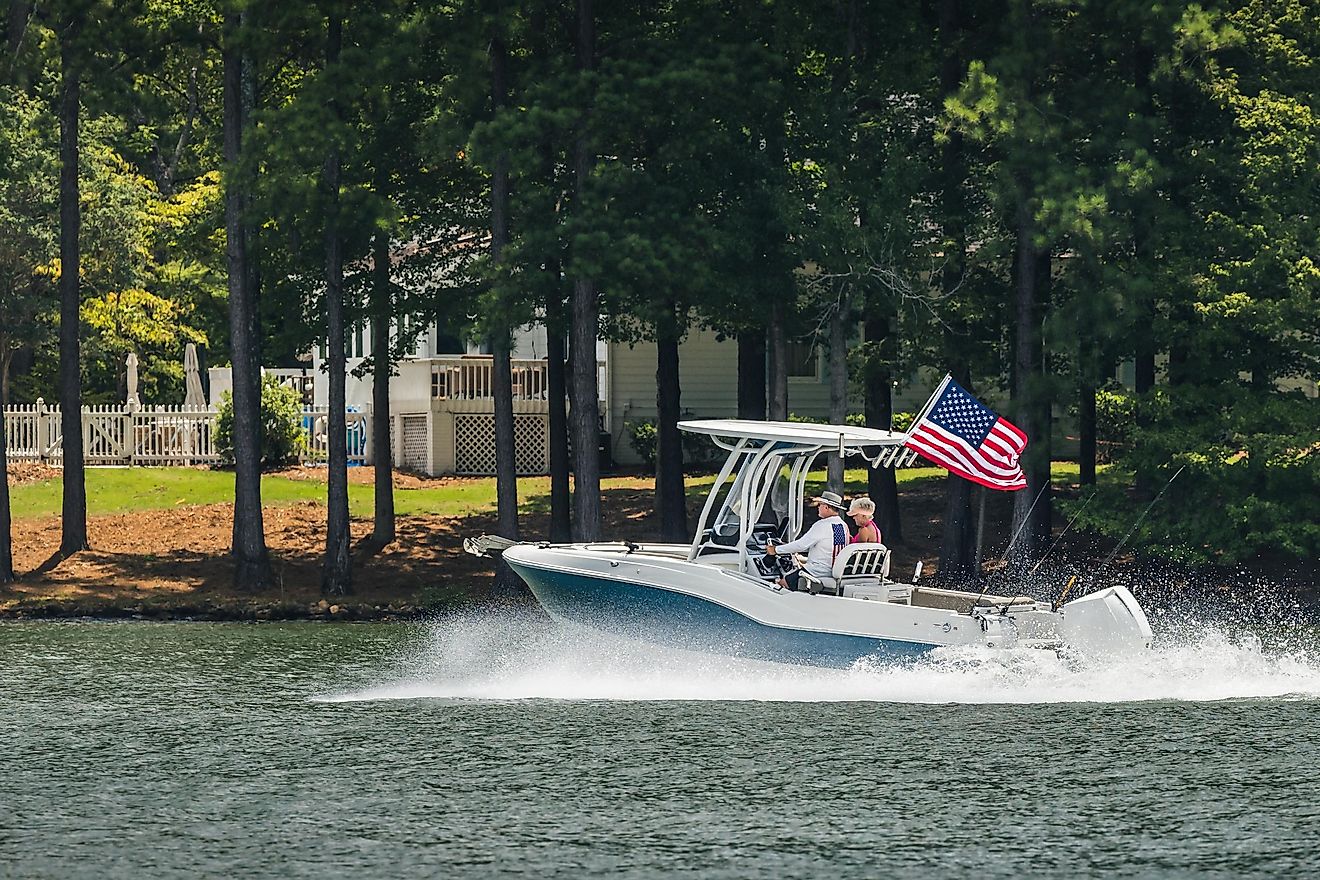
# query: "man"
{"type": "Point", "coordinates": [822, 542]}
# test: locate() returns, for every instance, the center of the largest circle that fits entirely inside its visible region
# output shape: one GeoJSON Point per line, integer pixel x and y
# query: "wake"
{"type": "Point", "coordinates": [499, 657]}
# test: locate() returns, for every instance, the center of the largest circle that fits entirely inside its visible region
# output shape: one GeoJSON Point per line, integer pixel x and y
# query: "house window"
{"type": "Point", "coordinates": [803, 359]}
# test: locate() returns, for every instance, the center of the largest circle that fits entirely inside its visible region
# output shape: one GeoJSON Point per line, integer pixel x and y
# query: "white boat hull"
{"type": "Point", "coordinates": [654, 594]}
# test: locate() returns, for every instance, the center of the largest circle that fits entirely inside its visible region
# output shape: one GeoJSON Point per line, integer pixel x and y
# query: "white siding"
{"type": "Point", "coordinates": [708, 379]}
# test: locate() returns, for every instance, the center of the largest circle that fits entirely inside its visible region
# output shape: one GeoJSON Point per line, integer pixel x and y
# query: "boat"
{"type": "Point", "coordinates": [721, 592]}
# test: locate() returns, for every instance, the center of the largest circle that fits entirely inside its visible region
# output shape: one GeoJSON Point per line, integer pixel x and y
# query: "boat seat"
{"type": "Point", "coordinates": [960, 601]}
{"type": "Point", "coordinates": [863, 564]}
{"type": "Point", "coordinates": [864, 559]}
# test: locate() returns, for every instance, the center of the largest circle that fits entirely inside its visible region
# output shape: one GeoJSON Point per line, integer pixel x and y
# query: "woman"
{"type": "Point", "coordinates": [862, 511]}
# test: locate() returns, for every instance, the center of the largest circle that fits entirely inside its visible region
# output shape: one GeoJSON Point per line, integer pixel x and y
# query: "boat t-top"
{"type": "Point", "coordinates": [721, 593]}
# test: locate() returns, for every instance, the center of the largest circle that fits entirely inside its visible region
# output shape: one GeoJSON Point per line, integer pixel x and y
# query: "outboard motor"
{"type": "Point", "coordinates": [1107, 623]}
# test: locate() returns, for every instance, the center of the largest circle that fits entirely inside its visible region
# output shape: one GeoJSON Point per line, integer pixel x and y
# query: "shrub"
{"type": "Point", "coordinates": [643, 437]}
{"type": "Point", "coordinates": [282, 435]}
{"type": "Point", "coordinates": [1115, 420]}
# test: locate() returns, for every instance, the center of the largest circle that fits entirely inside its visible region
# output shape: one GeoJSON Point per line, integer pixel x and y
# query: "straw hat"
{"type": "Point", "coordinates": [833, 499]}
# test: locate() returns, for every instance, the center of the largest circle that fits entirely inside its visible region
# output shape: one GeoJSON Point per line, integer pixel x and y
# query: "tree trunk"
{"type": "Point", "coordinates": [561, 521]}
{"type": "Point", "coordinates": [957, 547]}
{"type": "Point", "coordinates": [74, 515]}
{"type": "Point", "coordinates": [1038, 466]}
{"type": "Point", "coordinates": [777, 368]}
{"type": "Point", "coordinates": [6, 361]}
{"type": "Point", "coordinates": [1031, 506]}
{"type": "Point", "coordinates": [1143, 252]}
{"type": "Point", "coordinates": [507, 584]}
{"type": "Point", "coordinates": [958, 563]}
{"type": "Point", "coordinates": [838, 385]}
{"type": "Point", "coordinates": [670, 497]}
{"type": "Point", "coordinates": [585, 327]}
{"type": "Point", "coordinates": [878, 404]}
{"type": "Point", "coordinates": [336, 571]}
{"type": "Point", "coordinates": [382, 359]}
{"type": "Point", "coordinates": [506, 466]}
{"type": "Point", "coordinates": [751, 374]}
{"type": "Point", "coordinates": [1086, 432]}
{"type": "Point", "coordinates": [556, 352]}
{"type": "Point", "coordinates": [251, 560]}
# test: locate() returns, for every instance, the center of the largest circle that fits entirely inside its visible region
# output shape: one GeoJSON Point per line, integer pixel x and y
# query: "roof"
{"type": "Point", "coordinates": [794, 432]}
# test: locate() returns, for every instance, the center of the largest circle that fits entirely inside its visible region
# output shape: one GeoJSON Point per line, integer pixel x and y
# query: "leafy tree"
{"type": "Point", "coordinates": [1018, 101]}
{"type": "Point", "coordinates": [27, 228]}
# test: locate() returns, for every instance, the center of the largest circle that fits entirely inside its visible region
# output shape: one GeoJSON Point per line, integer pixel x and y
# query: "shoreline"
{"type": "Point", "coordinates": [213, 611]}
{"type": "Point", "coordinates": [171, 562]}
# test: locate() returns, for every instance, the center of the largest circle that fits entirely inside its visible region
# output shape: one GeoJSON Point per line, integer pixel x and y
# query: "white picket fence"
{"type": "Point", "coordinates": [162, 435]}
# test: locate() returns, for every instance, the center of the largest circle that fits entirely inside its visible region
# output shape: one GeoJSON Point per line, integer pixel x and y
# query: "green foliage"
{"type": "Point", "coordinates": [902, 420]}
{"type": "Point", "coordinates": [643, 438]}
{"type": "Point", "coordinates": [800, 158]}
{"type": "Point", "coordinates": [1115, 422]}
{"type": "Point", "coordinates": [698, 449]}
{"type": "Point", "coordinates": [27, 228]}
{"type": "Point", "coordinates": [1250, 477]}
{"type": "Point", "coordinates": [282, 434]}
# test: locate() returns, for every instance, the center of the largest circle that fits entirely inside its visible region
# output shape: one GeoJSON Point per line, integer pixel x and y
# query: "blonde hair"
{"type": "Point", "coordinates": [862, 504]}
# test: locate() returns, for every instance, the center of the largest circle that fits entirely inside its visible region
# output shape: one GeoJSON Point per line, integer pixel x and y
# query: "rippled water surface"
{"type": "Point", "coordinates": [487, 746]}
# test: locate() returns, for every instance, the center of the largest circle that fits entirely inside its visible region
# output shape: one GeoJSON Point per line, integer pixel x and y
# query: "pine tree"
{"type": "Point", "coordinates": [252, 561]}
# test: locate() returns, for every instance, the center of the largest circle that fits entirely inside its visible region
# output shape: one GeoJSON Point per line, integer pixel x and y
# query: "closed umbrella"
{"type": "Point", "coordinates": [131, 367]}
{"type": "Point", "coordinates": [194, 397]}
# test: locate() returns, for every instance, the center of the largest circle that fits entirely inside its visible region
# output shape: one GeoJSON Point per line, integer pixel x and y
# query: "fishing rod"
{"type": "Point", "coordinates": [1072, 580]}
{"type": "Point", "coordinates": [1103, 564]}
{"type": "Point", "coordinates": [1131, 531]}
{"type": "Point", "coordinates": [1037, 566]}
{"type": "Point", "coordinates": [1026, 519]}
{"type": "Point", "coordinates": [1016, 534]}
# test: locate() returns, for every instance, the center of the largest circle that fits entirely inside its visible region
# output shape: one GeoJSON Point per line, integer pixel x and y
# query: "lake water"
{"type": "Point", "coordinates": [505, 746]}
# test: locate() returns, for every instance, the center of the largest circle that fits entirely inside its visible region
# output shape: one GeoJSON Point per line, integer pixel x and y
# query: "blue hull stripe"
{"type": "Point", "coordinates": [655, 614]}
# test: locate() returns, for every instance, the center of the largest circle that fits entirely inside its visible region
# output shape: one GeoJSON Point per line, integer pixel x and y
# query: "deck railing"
{"type": "Point", "coordinates": [160, 435]}
{"type": "Point", "coordinates": [469, 378]}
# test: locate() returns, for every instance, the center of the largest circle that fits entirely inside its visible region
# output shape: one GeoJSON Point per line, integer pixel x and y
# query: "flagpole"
{"type": "Point", "coordinates": [948, 377]}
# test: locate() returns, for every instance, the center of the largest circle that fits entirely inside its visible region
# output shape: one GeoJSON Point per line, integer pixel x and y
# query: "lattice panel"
{"type": "Point", "coordinates": [531, 435]}
{"type": "Point", "coordinates": [474, 444]}
{"type": "Point", "coordinates": [414, 452]}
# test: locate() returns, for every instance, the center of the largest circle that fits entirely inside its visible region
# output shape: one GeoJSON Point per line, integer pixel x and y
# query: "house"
{"type": "Point", "coordinates": [443, 413]}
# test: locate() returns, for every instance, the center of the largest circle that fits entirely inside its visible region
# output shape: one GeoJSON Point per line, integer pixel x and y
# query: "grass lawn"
{"type": "Point", "coordinates": [123, 490]}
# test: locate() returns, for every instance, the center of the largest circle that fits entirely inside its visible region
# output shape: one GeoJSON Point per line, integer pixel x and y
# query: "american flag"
{"type": "Point", "coordinates": [962, 434]}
